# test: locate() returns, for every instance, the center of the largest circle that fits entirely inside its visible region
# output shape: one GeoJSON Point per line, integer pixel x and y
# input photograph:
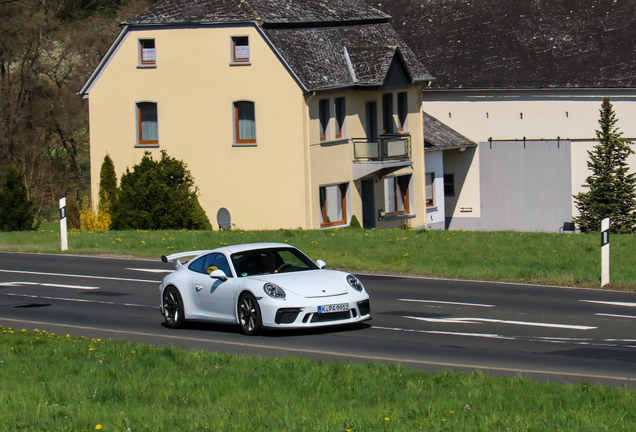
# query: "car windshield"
{"type": "Point", "coordinates": [270, 261]}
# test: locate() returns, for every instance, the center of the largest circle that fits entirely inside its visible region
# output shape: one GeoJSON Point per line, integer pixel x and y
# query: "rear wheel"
{"type": "Point", "coordinates": [173, 310]}
{"type": "Point", "coordinates": [249, 314]}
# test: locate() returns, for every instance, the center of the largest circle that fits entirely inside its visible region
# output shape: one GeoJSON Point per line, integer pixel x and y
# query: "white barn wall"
{"type": "Point", "coordinates": [533, 114]}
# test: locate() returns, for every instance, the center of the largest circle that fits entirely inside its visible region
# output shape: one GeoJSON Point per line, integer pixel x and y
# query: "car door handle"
{"type": "Point", "coordinates": [198, 287]}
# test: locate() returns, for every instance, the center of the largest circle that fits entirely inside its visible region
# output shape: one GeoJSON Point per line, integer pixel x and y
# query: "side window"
{"type": "Point", "coordinates": [240, 49]}
{"type": "Point", "coordinates": [403, 111]}
{"type": "Point", "coordinates": [208, 263]}
{"type": "Point", "coordinates": [323, 116]}
{"type": "Point", "coordinates": [147, 123]}
{"type": "Point", "coordinates": [244, 122]}
{"type": "Point", "coordinates": [340, 113]}
{"type": "Point", "coordinates": [449, 185]}
{"type": "Point", "coordinates": [333, 205]}
{"type": "Point", "coordinates": [147, 52]}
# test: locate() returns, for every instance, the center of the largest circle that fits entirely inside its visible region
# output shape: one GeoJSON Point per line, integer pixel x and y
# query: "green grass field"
{"type": "Point", "coordinates": [66, 383]}
{"type": "Point", "coordinates": [70, 383]}
{"type": "Point", "coordinates": [542, 258]}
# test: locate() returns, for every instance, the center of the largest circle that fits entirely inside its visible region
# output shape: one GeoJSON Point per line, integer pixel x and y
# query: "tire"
{"type": "Point", "coordinates": [249, 314]}
{"type": "Point", "coordinates": [173, 310]}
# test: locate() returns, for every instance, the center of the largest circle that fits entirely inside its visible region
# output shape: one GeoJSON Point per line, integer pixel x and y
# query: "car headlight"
{"type": "Point", "coordinates": [355, 283]}
{"type": "Point", "coordinates": [274, 291]}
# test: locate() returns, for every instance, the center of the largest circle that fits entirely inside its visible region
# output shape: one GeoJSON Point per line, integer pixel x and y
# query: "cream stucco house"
{"type": "Point", "coordinates": [524, 80]}
{"type": "Point", "coordinates": [288, 113]}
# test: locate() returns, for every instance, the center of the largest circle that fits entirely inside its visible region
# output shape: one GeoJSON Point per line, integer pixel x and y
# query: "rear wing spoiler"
{"type": "Point", "coordinates": [175, 257]}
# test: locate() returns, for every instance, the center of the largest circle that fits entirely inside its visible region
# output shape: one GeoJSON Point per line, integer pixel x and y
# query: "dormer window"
{"type": "Point", "coordinates": [147, 52]}
{"type": "Point", "coordinates": [240, 49]}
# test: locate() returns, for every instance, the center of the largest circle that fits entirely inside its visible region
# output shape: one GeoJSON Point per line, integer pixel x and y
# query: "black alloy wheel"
{"type": "Point", "coordinates": [249, 314]}
{"type": "Point", "coordinates": [173, 310]}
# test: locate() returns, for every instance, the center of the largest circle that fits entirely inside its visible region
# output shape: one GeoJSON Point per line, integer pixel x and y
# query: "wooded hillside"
{"type": "Point", "coordinates": [48, 49]}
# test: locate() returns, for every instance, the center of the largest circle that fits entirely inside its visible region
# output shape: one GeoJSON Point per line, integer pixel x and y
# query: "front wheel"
{"type": "Point", "coordinates": [173, 310]}
{"type": "Point", "coordinates": [249, 314]}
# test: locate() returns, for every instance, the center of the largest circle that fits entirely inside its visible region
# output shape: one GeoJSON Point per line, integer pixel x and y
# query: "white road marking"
{"type": "Point", "coordinates": [79, 276]}
{"type": "Point", "coordinates": [15, 284]}
{"type": "Point", "coordinates": [627, 304]}
{"type": "Point", "coordinates": [446, 302]}
{"type": "Point", "coordinates": [480, 320]}
{"type": "Point", "coordinates": [151, 270]}
{"type": "Point", "coordinates": [616, 316]}
{"type": "Point", "coordinates": [77, 300]}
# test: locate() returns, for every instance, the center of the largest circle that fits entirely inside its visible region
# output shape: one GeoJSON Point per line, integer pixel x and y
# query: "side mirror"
{"type": "Point", "coordinates": [218, 274]}
{"type": "Point", "coordinates": [321, 264]}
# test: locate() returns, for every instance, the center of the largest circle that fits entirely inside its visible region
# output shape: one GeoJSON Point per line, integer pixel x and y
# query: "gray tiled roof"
{"type": "Point", "coordinates": [522, 44]}
{"type": "Point", "coordinates": [438, 136]}
{"type": "Point", "coordinates": [313, 37]}
{"type": "Point", "coordinates": [269, 11]}
{"type": "Point", "coordinates": [317, 54]}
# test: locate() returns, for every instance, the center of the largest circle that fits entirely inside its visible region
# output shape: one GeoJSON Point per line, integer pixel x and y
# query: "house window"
{"type": "Point", "coordinates": [430, 196]}
{"type": "Point", "coordinates": [147, 124]}
{"type": "Point", "coordinates": [397, 194]}
{"type": "Point", "coordinates": [333, 205]}
{"type": "Point", "coordinates": [340, 113]}
{"type": "Point", "coordinates": [147, 52]}
{"type": "Point", "coordinates": [387, 113]}
{"type": "Point", "coordinates": [323, 115]}
{"type": "Point", "coordinates": [240, 49]}
{"type": "Point", "coordinates": [402, 107]}
{"type": "Point", "coordinates": [449, 185]}
{"type": "Point", "coordinates": [244, 122]}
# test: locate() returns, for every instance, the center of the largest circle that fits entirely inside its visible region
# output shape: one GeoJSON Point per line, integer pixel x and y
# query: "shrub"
{"type": "Point", "coordinates": [17, 212]}
{"type": "Point", "coordinates": [355, 223]}
{"type": "Point", "coordinates": [92, 219]}
{"type": "Point", "coordinates": [157, 195]}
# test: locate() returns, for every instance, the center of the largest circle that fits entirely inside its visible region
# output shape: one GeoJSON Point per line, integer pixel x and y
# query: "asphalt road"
{"type": "Point", "coordinates": [561, 335]}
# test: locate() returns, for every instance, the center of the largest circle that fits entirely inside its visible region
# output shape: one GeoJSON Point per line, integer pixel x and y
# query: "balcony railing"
{"type": "Point", "coordinates": [383, 148]}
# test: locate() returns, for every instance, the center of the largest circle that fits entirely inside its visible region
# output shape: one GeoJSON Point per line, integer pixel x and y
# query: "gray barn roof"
{"type": "Point", "coordinates": [438, 136]}
{"type": "Point", "coordinates": [327, 44]}
{"type": "Point", "coordinates": [520, 44]}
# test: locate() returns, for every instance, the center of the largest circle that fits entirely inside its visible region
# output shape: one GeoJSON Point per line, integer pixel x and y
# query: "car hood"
{"type": "Point", "coordinates": [311, 283]}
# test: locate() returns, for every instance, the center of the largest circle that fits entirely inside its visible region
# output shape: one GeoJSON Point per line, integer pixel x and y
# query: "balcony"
{"type": "Point", "coordinates": [383, 148]}
{"type": "Point", "coordinates": [380, 156]}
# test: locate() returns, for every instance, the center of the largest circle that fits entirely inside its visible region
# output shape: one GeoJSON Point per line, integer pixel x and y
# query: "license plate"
{"type": "Point", "coordinates": [343, 307]}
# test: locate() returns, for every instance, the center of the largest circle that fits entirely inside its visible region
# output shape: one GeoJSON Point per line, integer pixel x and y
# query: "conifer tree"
{"type": "Point", "coordinates": [16, 209]}
{"type": "Point", "coordinates": [107, 184]}
{"type": "Point", "coordinates": [612, 188]}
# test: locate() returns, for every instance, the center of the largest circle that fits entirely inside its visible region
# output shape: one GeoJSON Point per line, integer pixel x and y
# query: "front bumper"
{"type": "Point", "coordinates": [309, 316]}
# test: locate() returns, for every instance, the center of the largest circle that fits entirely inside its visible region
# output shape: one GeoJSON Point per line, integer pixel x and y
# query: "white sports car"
{"type": "Point", "coordinates": [260, 285]}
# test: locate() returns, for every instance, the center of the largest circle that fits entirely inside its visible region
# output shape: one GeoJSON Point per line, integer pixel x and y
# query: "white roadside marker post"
{"type": "Point", "coordinates": [605, 252]}
{"type": "Point", "coordinates": [63, 234]}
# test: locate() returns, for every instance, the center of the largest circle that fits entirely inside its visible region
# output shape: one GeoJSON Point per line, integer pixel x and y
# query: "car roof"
{"type": "Point", "coordinates": [251, 246]}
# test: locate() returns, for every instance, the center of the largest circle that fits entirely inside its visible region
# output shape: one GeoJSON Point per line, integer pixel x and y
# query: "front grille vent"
{"type": "Point", "coordinates": [335, 316]}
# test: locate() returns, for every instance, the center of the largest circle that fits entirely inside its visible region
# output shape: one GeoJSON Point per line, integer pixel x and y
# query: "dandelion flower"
{"type": "Point", "coordinates": [98, 427]}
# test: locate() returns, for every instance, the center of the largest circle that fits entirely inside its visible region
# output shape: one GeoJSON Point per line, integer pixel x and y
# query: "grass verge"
{"type": "Point", "coordinates": [542, 258]}
{"type": "Point", "coordinates": [65, 383]}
